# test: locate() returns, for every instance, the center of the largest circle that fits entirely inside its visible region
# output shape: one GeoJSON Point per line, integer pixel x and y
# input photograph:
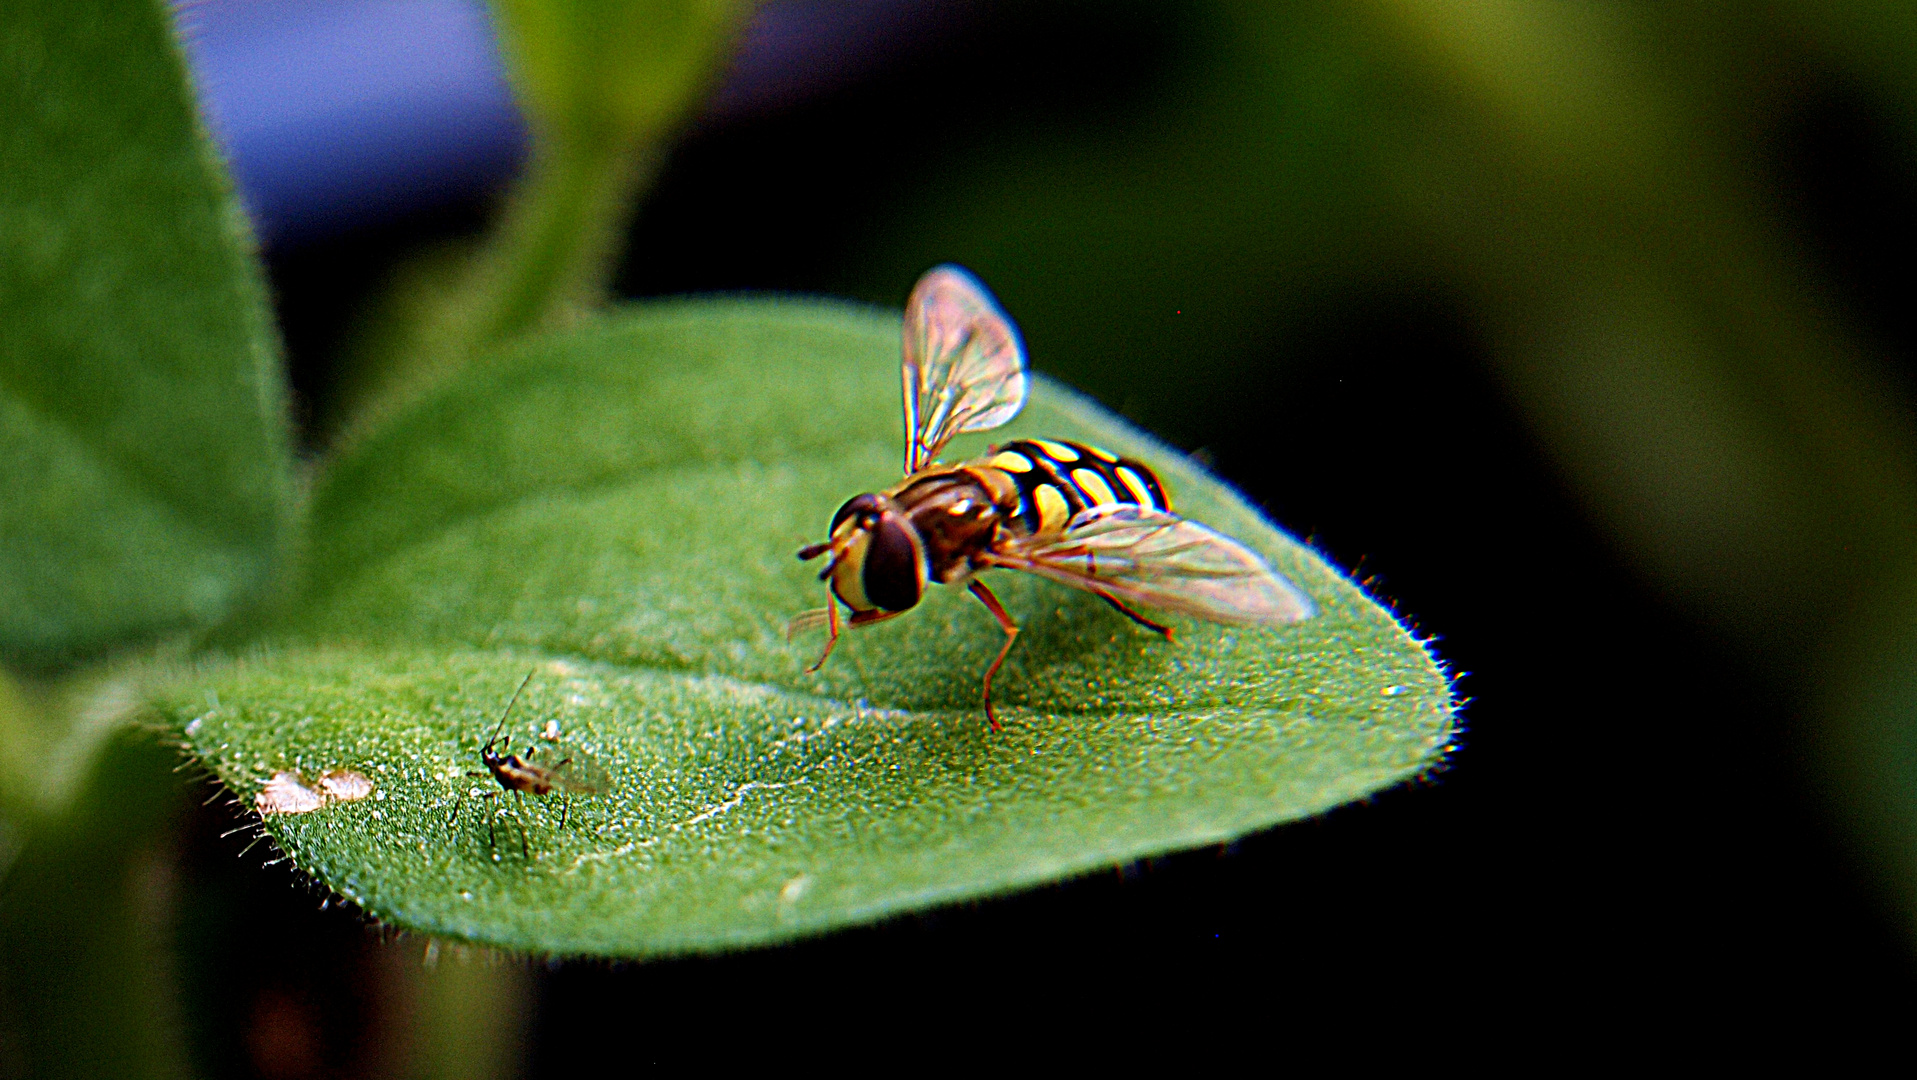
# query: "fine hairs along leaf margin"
{"type": "Point", "coordinates": [615, 509]}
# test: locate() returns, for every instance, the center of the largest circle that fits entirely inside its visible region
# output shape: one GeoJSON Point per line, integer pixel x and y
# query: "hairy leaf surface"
{"type": "Point", "coordinates": [616, 510]}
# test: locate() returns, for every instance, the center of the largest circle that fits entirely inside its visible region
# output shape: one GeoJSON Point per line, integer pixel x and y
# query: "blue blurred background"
{"type": "Point", "coordinates": [1507, 307]}
{"type": "Point", "coordinates": [340, 115]}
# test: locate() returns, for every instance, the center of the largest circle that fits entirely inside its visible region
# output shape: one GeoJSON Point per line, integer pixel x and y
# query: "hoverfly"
{"type": "Point", "coordinates": [521, 776]}
{"type": "Point", "coordinates": [1062, 510]}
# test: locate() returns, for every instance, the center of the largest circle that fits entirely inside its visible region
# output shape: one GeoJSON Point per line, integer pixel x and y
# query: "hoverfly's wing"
{"type": "Point", "coordinates": [964, 366]}
{"type": "Point", "coordinates": [1160, 560]}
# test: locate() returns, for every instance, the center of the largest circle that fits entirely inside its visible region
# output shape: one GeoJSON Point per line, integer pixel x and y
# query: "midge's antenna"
{"type": "Point", "coordinates": [509, 708]}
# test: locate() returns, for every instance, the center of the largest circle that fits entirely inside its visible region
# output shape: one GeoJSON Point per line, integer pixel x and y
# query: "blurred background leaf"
{"type": "Point", "coordinates": [143, 442]}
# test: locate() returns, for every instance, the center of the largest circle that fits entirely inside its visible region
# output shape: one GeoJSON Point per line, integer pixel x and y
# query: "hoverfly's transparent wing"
{"type": "Point", "coordinates": [964, 365]}
{"type": "Point", "coordinates": [1159, 560]}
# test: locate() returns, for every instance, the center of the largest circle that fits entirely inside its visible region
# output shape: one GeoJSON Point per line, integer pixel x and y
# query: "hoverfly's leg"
{"type": "Point", "coordinates": [1006, 624]}
{"type": "Point", "coordinates": [859, 619]}
{"type": "Point", "coordinates": [832, 633]}
{"type": "Point", "coordinates": [1154, 627]}
{"type": "Point", "coordinates": [809, 619]}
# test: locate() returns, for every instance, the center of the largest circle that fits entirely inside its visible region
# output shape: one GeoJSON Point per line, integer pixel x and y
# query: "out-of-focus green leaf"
{"type": "Point", "coordinates": [50, 728]}
{"type": "Point", "coordinates": [616, 511]}
{"type": "Point", "coordinates": [144, 466]}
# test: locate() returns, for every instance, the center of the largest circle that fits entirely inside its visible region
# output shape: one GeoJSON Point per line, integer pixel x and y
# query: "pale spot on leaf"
{"type": "Point", "coordinates": [795, 888]}
{"type": "Point", "coordinates": [285, 794]}
{"type": "Point", "coordinates": [345, 785]}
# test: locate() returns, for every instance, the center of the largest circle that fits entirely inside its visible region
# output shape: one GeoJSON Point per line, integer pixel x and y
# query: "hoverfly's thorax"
{"type": "Point", "coordinates": [998, 484]}
{"type": "Point", "coordinates": [957, 515]}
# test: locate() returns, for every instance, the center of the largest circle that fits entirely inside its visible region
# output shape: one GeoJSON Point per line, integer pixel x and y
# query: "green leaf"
{"type": "Point", "coordinates": [616, 510]}
{"type": "Point", "coordinates": [144, 464]}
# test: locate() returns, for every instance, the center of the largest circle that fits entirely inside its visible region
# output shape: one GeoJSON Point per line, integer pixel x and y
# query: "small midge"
{"type": "Point", "coordinates": [1057, 451]}
{"type": "Point", "coordinates": [1093, 485]}
{"type": "Point", "coordinates": [1011, 462]}
{"type": "Point", "coordinates": [1052, 508]}
{"type": "Point", "coordinates": [1135, 484]}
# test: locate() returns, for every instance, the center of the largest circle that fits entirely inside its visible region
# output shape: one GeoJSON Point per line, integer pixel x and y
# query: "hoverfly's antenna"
{"type": "Point", "coordinates": [509, 708]}
{"type": "Point", "coordinates": [834, 548]}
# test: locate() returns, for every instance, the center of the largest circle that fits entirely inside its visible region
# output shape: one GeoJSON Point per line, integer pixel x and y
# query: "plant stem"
{"type": "Point", "coordinates": [548, 259]}
{"type": "Point", "coordinates": [552, 254]}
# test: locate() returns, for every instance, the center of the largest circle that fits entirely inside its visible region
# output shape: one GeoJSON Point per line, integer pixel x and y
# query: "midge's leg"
{"type": "Point", "coordinates": [1006, 624]}
{"type": "Point", "coordinates": [525, 848]}
{"type": "Point", "coordinates": [1155, 627]}
{"type": "Point", "coordinates": [458, 802]}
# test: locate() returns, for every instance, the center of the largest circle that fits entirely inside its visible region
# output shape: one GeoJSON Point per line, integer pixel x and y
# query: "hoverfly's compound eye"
{"type": "Point", "coordinates": [862, 506]}
{"type": "Point", "coordinates": [893, 574]}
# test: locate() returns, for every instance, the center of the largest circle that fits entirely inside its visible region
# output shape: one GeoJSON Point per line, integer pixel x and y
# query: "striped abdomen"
{"type": "Point", "coordinates": [1058, 479]}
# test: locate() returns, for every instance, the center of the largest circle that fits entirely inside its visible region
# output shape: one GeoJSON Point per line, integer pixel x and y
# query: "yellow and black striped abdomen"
{"type": "Point", "coordinates": [1058, 479]}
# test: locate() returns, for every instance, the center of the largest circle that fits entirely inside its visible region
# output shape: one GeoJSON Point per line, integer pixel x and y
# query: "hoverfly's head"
{"type": "Point", "coordinates": [878, 559]}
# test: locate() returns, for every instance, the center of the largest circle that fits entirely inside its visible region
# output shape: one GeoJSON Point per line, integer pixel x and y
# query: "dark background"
{"type": "Point", "coordinates": [1628, 826]}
